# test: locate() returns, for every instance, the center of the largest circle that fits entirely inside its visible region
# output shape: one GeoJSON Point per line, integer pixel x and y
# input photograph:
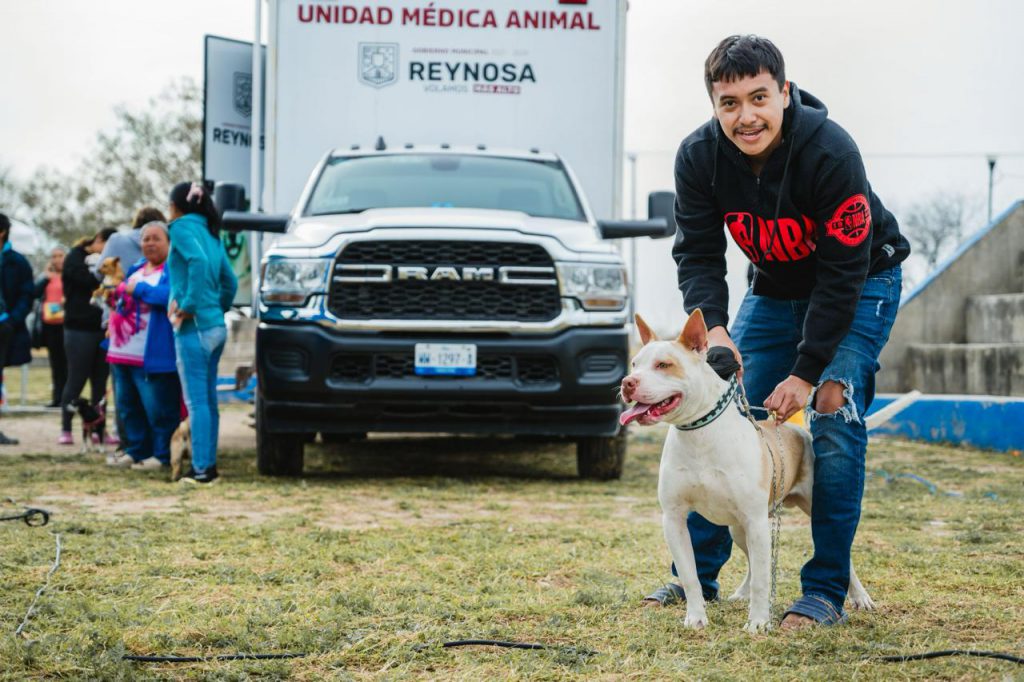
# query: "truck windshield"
{"type": "Point", "coordinates": [355, 184]}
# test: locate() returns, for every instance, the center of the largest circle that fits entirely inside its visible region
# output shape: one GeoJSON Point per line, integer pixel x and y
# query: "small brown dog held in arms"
{"type": "Point", "coordinates": [181, 448]}
{"type": "Point", "coordinates": [113, 274]}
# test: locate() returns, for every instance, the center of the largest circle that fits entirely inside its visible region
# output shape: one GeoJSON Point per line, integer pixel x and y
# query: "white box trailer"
{"type": "Point", "coordinates": [545, 74]}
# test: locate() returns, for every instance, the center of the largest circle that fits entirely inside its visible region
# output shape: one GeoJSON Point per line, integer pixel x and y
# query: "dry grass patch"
{"type": "Point", "coordinates": [380, 554]}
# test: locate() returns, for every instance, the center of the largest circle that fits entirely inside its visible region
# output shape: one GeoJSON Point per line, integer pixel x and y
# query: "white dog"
{"type": "Point", "coordinates": [715, 463]}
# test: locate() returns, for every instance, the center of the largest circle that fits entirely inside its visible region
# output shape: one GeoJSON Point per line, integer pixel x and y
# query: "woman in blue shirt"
{"type": "Point", "coordinates": [141, 356]}
{"type": "Point", "coordinates": [203, 286]}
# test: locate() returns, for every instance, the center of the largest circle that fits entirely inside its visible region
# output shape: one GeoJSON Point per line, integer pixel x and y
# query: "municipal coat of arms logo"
{"type": "Point", "coordinates": [378, 64]}
{"type": "Point", "coordinates": [242, 96]}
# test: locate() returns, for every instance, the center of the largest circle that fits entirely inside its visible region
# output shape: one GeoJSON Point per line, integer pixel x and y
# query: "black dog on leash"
{"type": "Point", "coordinates": [94, 418]}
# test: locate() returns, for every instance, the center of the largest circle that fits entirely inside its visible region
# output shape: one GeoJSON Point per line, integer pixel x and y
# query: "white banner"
{"type": "Point", "coordinates": [524, 74]}
{"type": "Point", "coordinates": [227, 111]}
{"type": "Point", "coordinates": [227, 137]}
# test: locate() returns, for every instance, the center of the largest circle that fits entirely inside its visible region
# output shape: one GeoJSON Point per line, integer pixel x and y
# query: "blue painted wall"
{"type": "Point", "coordinates": [990, 422]}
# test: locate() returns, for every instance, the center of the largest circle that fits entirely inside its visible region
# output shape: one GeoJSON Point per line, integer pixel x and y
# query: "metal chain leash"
{"type": "Point", "coordinates": [778, 487]}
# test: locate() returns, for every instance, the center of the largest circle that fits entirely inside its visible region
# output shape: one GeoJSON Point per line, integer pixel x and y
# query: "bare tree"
{"type": "Point", "coordinates": [48, 200]}
{"type": "Point", "coordinates": [10, 194]}
{"type": "Point", "coordinates": [132, 165]}
{"type": "Point", "coordinates": [936, 225]}
{"type": "Point", "coordinates": [144, 156]}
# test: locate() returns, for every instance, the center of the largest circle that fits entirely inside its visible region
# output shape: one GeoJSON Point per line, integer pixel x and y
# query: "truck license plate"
{"type": "Point", "coordinates": [452, 359]}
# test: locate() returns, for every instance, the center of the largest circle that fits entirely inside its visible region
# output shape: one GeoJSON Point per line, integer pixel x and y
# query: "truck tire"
{"type": "Point", "coordinates": [601, 458]}
{"type": "Point", "coordinates": [277, 454]}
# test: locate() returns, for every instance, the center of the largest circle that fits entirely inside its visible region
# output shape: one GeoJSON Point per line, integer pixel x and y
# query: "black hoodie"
{"type": "Point", "coordinates": [832, 229]}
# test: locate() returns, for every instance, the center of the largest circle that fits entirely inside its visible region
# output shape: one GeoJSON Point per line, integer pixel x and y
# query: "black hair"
{"type": "Point", "coordinates": [105, 234]}
{"type": "Point", "coordinates": [742, 57]}
{"type": "Point", "coordinates": [147, 214]}
{"type": "Point", "coordinates": [5, 223]}
{"type": "Point", "coordinates": [200, 202]}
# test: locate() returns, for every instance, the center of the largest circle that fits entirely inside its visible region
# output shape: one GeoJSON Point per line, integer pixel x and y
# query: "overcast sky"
{"type": "Point", "coordinates": [927, 88]}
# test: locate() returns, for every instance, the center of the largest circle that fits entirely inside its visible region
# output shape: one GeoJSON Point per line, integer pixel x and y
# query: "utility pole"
{"type": "Point", "coordinates": [631, 156]}
{"type": "Point", "coordinates": [255, 149]}
{"type": "Point", "coordinates": [991, 172]}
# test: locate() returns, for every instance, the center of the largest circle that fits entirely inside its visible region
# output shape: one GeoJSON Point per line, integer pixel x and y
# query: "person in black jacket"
{"type": "Point", "coordinates": [15, 303]}
{"type": "Point", "coordinates": [789, 186]}
{"type": "Point", "coordinates": [83, 332]}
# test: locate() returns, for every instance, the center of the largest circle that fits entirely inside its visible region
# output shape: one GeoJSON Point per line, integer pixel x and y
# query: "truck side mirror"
{"type": "Point", "coordinates": [628, 229]}
{"type": "Point", "coordinates": [237, 221]}
{"type": "Point", "coordinates": [229, 196]}
{"type": "Point", "coordinates": [662, 205]}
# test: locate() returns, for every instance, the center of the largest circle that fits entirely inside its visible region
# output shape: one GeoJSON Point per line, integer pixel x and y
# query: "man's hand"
{"type": "Point", "coordinates": [718, 336]}
{"type": "Point", "coordinates": [788, 398]}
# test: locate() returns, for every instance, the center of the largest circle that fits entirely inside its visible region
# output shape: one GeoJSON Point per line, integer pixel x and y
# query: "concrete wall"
{"type": "Point", "coordinates": [992, 262]}
{"type": "Point", "coordinates": [998, 318]}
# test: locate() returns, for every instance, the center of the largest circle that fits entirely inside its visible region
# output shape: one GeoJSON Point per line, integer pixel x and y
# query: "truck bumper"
{"type": "Point", "coordinates": [312, 378]}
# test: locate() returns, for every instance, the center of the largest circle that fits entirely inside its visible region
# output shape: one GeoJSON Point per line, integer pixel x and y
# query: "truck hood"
{"type": "Point", "coordinates": [316, 232]}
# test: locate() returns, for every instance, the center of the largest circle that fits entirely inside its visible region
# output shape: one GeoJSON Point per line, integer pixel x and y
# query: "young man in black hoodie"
{"type": "Point", "coordinates": [789, 186]}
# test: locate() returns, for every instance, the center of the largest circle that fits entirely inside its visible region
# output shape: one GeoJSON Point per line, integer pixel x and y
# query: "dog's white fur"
{"type": "Point", "coordinates": [721, 470]}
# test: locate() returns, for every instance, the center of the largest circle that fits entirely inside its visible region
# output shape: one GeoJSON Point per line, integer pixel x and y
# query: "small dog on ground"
{"type": "Point", "coordinates": [113, 274]}
{"type": "Point", "coordinates": [714, 462]}
{"type": "Point", "coordinates": [93, 419]}
{"type": "Point", "coordinates": [181, 448]}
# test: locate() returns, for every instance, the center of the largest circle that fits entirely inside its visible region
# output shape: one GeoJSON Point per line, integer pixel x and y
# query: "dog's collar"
{"type": "Point", "coordinates": [717, 410]}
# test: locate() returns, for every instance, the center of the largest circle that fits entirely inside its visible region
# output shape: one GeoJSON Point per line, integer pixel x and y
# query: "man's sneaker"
{"type": "Point", "coordinates": [148, 464]}
{"type": "Point", "coordinates": [7, 440]}
{"type": "Point", "coordinates": [65, 438]}
{"type": "Point", "coordinates": [120, 460]}
{"type": "Point", "coordinates": [203, 478]}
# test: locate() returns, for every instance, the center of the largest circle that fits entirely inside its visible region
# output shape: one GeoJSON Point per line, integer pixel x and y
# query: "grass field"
{"type": "Point", "coordinates": [380, 554]}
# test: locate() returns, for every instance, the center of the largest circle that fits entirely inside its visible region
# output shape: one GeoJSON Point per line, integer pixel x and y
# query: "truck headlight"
{"type": "Point", "coordinates": [597, 286]}
{"type": "Point", "coordinates": [290, 281]}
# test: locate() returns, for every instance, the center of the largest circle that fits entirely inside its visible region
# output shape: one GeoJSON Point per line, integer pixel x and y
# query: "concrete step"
{"type": "Point", "coordinates": [966, 368]}
{"type": "Point", "coordinates": [995, 318]}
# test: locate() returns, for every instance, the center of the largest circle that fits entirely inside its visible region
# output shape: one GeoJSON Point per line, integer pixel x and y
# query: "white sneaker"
{"type": "Point", "coordinates": [119, 460]}
{"type": "Point", "coordinates": [148, 464]}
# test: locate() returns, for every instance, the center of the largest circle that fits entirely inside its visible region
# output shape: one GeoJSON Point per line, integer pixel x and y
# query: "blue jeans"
{"type": "Point", "coordinates": [198, 353]}
{"type": "Point", "coordinates": [767, 332]}
{"type": "Point", "coordinates": [149, 406]}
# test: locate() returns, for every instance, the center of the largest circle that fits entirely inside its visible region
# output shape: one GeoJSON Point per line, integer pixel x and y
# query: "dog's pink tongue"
{"type": "Point", "coordinates": [633, 413]}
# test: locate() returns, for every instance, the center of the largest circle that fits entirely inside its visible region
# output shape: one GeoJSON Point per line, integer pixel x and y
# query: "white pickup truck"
{"type": "Point", "coordinates": [441, 289]}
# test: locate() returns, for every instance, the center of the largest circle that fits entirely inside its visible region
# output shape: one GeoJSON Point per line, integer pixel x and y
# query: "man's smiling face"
{"type": "Point", "coordinates": [750, 111]}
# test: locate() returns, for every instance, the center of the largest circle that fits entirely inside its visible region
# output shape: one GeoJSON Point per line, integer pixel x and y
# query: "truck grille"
{"type": "Point", "coordinates": [525, 370]}
{"type": "Point", "coordinates": [445, 299]}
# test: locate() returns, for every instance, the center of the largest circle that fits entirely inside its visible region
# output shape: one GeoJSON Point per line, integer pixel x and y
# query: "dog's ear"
{"type": "Point", "coordinates": [695, 332]}
{"type": "Point", "coordinates": [646, 335]}
{"type": "Point", "coordinates": [115, 259]}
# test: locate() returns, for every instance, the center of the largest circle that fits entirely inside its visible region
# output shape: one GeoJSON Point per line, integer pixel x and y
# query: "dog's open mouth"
{"type": "Point", "coordinates": [647, 413]}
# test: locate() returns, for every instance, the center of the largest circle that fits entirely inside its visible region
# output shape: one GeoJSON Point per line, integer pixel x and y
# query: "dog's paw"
{"type": "Point", "coordinates": [739, 595]}
{"type": "Point", "coordinates": [755, 625]}
{"type": "Point", "coordinates": [862, 602]}
{"type": "Point", "coordinates": [696, 621]}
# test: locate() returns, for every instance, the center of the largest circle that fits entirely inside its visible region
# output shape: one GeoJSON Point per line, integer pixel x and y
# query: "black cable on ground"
{"type": "Point", "coordinates": [493, 642]}
{"type": "Point", "coordinates": [952, 652]}
{"type": "Point", "coordinates": [31, 516]}
{"type": "Point", "coordinates": [201, 659]}
{"type": "Point", "coordinates": [517, 645]}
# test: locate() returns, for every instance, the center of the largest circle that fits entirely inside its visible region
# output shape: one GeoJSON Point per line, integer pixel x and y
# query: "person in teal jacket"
{"type": "Point", "coordinates": [203, 286]}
